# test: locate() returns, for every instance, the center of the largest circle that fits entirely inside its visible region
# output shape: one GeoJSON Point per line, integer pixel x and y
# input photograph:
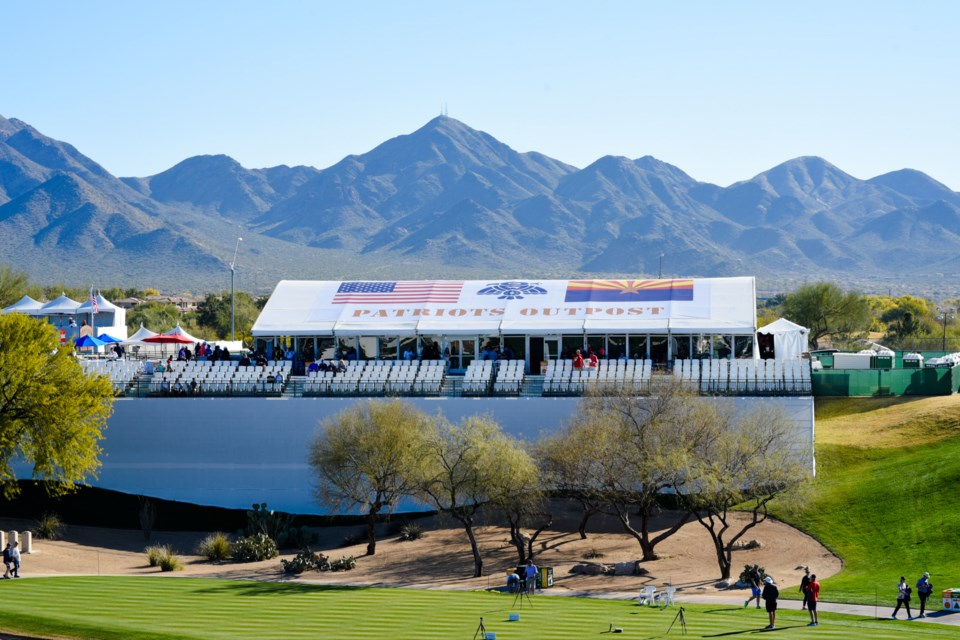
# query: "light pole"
{"type": "Point", "coordinates": [945, 315]}
{"type": "Point", "coordinates": [660, 270]}
{"type": "Point", "coordinates": [233, 265]}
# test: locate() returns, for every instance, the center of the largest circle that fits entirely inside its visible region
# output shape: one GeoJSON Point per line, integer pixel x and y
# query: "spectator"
{"type": "Point", "coordinates": [924, 589]}
{"type": "Point", "coordinates": [770, 594]}
{"type": "Point", "coordinates": [530, 577]}
{"type": "Point", "coordinates": [578, 360]}
{"type": "Point", "coordinates": [804, 581]}
{"type": "Point", "coordinates": [903, 598]}
{"type": "Point", "coordinates": [15, 559]}
{"type": "Point", "coordinates": [756, 586]}
{"type": "Point", "coordinates": [812, 597]}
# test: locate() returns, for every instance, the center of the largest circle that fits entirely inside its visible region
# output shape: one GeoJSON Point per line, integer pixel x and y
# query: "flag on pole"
{"type": "Point", "coordinates": [93, 301]}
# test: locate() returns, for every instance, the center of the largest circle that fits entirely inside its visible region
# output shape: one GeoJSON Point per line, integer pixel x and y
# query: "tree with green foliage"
{"type": "Point", "coordinates": [52, 415]}
{"type": "Point", "coordinates": [366, 457]}
{"type": "Point", "coordinates": [743, 464]}
{"type": "Point", "coordinates": [573, 461]}
{"type": "Point", "coordinates": [519, 494]}
{"type": "Point", "coordinates": [460, 471]}
{"type": "Point", "coordinates": [13, 285]}
{"type": "Point", "coordinates": [641, 445]}
{"type": "Point", "coordinates": [213, 314]}
{"type": "Point", "coordinates": [156, 316]}
{"type": "Point", "coordinates": [827, 310]}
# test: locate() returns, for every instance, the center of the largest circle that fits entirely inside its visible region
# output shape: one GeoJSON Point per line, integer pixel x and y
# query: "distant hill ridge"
{"type": "Point", "coordinates": [450, 201]}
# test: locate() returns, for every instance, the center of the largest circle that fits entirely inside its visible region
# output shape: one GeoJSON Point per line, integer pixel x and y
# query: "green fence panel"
{"type": "Point", "coordinates": [886, 382]}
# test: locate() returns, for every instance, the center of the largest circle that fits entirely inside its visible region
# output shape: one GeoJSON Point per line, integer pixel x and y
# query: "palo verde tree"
{"type": "Point", "coordinates": [519, 495]}
{"type": "Point", "coordinates": [744, 464]}
{"type": "Point", "coordinates": [13, 285]}
{"type": "Point", "coordinates": [642, 445]}
{"type": "Point", "coordinates": [366, 457]}
{"type": "Point", "coordinates": [52, 415]}
{"type": "Point", "coordinates": [826, 309]}
{"type": "Point", "coordinates": [463, 467]}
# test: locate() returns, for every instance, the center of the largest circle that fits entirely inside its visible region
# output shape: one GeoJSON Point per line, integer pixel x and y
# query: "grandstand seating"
{"type": "Point", "coordinates": [220, 378]}
{"type": "Point", "coordinates": [377, 378]}
{"type": "Point", "coordinates": [121, 372]}
{"type": "Point", "coordinates": [509, 376]}
{"type": "Point", "coordinates": [561, 378]}
{"type": "Point", "coordinates": [745, 376]}
{"type": "Point", "coordinates": [476, 380]}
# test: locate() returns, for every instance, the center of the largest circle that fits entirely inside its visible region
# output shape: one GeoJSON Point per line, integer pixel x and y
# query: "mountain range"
{"type": "Point", "coordinates": [450, 201]}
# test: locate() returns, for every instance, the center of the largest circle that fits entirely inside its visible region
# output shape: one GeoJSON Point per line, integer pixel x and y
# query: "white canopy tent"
{"type": "Point", "coordinates": [789, 338]}
{"type": "Point", "coordinates": [484, 307]}
{"type": "Point", "coordinates": [26, 305]}
{"type": "Point", "coordinates": [138, 337]}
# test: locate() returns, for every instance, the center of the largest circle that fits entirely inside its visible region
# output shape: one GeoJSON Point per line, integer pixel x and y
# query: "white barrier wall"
{"type": "Point", "coordinates": [233, 452]}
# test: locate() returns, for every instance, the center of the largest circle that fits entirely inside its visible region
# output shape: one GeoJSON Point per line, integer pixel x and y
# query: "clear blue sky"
{"type": "Point", "coordinates": [724, 90]}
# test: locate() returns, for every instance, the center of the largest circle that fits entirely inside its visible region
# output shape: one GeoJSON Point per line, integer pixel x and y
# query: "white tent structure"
{"type": "Point", "coordinates": [178, 331]}
{"type": "Point", "coordinates": [789, 338]}
{"type": "Point", "coordinates": [62, 306]}
{"type": "Point", "coordinates": [138, 337]}
{"type": "Point", "coordinates": [26, 305]}
{"type": "Point", "coordinates": [108, 318]}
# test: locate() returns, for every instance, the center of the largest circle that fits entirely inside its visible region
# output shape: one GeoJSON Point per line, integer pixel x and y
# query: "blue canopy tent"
{"type": "Point", "coordinates": [107, 338]}
{"type": "Point", "coordinates": [89, 342]}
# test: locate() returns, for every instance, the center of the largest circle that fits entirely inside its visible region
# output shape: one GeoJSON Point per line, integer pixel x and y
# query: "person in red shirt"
{"type": "Point", "coordinates": [578, 360]}
{"type": "Point", "coordinates": [594, 361]}
{"type": "Point", "coordinates": [812, 596]}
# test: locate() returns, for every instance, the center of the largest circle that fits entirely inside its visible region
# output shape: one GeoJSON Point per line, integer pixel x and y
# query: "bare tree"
{"type": "Point", "coordinates": [745, 464]}
{"type": "Point", "coordinates": [366, 457]}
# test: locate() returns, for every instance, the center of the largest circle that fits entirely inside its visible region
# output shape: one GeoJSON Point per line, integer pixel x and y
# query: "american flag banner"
{"type": "Point", "coordinates": [398, 292]}
{"type": "Point", "coordinates": [93, 301]}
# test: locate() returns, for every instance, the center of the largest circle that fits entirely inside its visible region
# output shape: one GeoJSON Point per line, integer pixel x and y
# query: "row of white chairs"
{"type": "Point", "coordinates": [362, 377]}
{"type": "Point", "coordinates": [739, 376]}
{"type": "Point", "coordinates": [477, 377]}
{"type": "Point", "coordinates": [509, 376]}
{"type": "Point", "coordinates": [119, 371]}
{"type": "Point", "coordinates": [563, 378]}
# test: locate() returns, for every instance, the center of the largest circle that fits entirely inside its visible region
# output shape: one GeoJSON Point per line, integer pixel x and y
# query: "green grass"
{"type": "Point", "coordinates": [150, 608]}
{"type": "Point", "coordinates": [886, 502]}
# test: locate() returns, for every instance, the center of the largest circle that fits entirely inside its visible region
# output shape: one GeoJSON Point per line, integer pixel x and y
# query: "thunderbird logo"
{"type": "Point", "coordinates": [511, 290]}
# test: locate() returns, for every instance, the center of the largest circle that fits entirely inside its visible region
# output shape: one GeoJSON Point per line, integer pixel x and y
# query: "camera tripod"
{"type": "Point", "coordinates": [481, 631]}
{"type": "Point", "coordinates": [523, 591]}
{"type": "Point", "coordinates": [683, 623]}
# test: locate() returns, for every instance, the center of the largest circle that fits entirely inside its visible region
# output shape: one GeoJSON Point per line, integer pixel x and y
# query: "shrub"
{"type": "Point", "coordinates": [410, 531]}
{"type": "Point", "coordinates": [155, 553]}
{"type": "Point", "coordinates": [306, 560]}
{"type": "Point", "coordinates": [345, 563]}
{"type": "Point", "coordinates": [253, 548]}
{"type": "Point", "coordinates": [592, 554]}
{"type": "Point", "coordinates": [273, 524]}
{"type": "Point", "coordinates": [170, 562]}
{"type": "Point", "coordinates": [49, 526]}
{"type": "Point", "coordinates": [215, 547]}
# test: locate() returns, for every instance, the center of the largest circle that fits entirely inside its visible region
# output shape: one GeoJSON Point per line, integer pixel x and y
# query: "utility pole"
{"type": "Point", "coordinates": [233, 265]}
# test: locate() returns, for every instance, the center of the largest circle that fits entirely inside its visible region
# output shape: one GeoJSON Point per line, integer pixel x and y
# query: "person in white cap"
{"type": "Point", "coordinates": [924, 589]}
{"type": "Point", "coordinates": [770, 595]}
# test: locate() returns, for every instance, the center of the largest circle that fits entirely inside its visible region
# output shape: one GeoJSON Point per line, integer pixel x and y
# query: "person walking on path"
{"type": "Point", "coordinates": [804, 581]}
{"type": "Point", "coordinates": [924, 589]}
{"type": "Point", "coordinates": [15, 559]}
{"type": "Point", "coordinates": [756, 585]}
{"type": "Point", "coordinates": [812, 595]}
{"type": "Point", "coordinates": [903, 598]}
{"type": "Point", "coordinates": [7, 560]}
{"type": "Point", "coordinates": [770, 594]}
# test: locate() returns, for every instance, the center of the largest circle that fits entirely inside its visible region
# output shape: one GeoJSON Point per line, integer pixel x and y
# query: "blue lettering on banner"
{"type": "Point", "coordinates": [511, 290]}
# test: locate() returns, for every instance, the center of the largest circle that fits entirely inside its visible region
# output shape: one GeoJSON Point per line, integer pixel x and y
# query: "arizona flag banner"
{"type": "Point", "coordinates": [628, 290]}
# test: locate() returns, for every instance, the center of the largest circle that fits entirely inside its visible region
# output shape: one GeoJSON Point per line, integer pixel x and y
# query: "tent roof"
{"type": "Point", "coordinates": [141, 333]}
{"type": "Point", "coordinates": [489, 307]}
{"type": "Point", "coordinates": [178, 331]}
{"type": "Point", "coordinates": [59, 306]}
{"type": "Point", "coordinates": [26, 304]}
{"type": "Point", "coordinates": [782, 325]}
{"type": "Point", "coordinates": [102, 303]}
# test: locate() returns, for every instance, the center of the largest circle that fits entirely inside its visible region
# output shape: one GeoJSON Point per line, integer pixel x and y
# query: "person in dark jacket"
{"type": "Point", "coordinates": [804, 581]}
{"type": "Point", "coordinates": [924, 589]}
{"type": "Point", "coordinates": [903, 598]}
{"type": "Point", "coordinates": [770, 594]}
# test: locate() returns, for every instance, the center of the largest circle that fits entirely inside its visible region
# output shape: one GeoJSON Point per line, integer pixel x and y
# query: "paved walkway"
{"type": "Point", "coordinates": [883, 611]}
